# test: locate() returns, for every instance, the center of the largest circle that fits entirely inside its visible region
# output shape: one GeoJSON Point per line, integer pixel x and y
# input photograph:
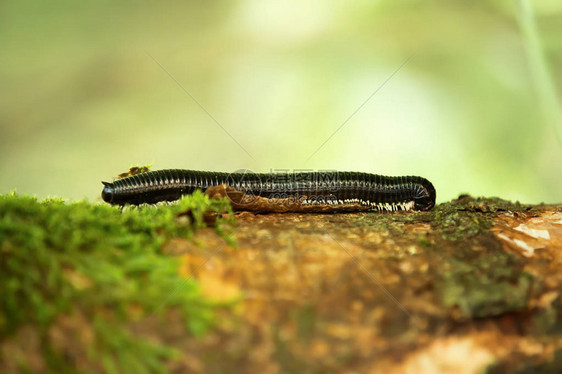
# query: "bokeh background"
{"type": "Point", "coordinates": [88, 90]}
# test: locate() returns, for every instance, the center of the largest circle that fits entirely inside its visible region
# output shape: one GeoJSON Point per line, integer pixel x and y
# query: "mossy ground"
{"type": "Point", "coordinates": [311, 290]}
{"type": "Point", "coordinates": [97, 269]}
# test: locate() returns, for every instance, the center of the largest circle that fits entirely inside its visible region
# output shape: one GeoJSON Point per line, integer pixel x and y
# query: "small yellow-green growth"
{"type": "Point", "coordinates": [133, 170]}
{"type": "Point", "coordinates": [61, 260]}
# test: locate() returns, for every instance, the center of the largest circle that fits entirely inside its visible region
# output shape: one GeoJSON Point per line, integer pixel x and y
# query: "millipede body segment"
{"type": "Point", "coordinates": [333, 189]}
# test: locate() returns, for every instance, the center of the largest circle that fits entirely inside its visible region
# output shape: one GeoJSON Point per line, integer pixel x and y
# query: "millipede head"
{"type": "Point", "coordinates": [424, 203]}
{"type": "Point", "coordinates": [424, 198]}
{"type": "Point", "coordinates": [107, 193]}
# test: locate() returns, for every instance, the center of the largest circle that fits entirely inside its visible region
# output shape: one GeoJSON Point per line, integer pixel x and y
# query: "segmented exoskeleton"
{"type": "Point", "coordinates": [331, 188]}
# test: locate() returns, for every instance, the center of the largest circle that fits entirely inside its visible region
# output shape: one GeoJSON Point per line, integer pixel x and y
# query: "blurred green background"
{"type": "Point", "coordinates": [473, 109]}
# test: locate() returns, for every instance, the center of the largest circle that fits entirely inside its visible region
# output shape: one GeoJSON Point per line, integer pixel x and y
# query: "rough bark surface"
{"type": "Point", "coordinates": [472, 286]}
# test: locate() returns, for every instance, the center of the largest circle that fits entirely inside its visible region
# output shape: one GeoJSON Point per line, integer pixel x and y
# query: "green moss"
{"type": "Point", "coordinates": [456, 224]}
{"type": "Point", "coordinates": [102, 262]}
{"type": "Point", "coordinates": [488, 285]}
{"type": "Point", "coordinates": [477, 276]}
{"type": "Point", "coordinates": [305, 319]}
{"type": "Point", "coordinates": [422, 239]}
{"type": "Point", "coordinates": [474, 273]}
{"type": "Point", "coordinates": [548, 320]}
{"type": "Point", "coordinates": [519, 363]}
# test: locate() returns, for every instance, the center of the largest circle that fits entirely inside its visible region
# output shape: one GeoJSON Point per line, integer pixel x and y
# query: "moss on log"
{"type": "Point", "coordinates": [473, 285]}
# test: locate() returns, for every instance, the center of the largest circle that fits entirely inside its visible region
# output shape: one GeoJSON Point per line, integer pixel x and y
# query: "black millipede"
{"type": "Point", "coordinates": [328, 190]}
